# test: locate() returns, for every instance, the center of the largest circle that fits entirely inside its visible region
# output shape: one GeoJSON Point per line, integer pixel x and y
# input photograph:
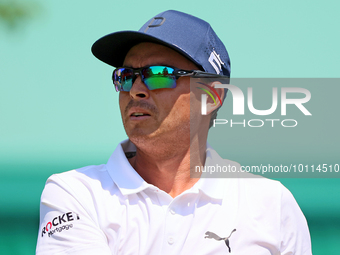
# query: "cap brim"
{"type": "Point", "coordinates": [112, 48]}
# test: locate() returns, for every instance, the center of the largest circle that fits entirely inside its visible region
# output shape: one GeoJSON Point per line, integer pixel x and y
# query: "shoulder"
{"type": "Point", "coordinates": [256, 185]}
{"type": "Point", "coordinates": [257, 196]}
{"type": "Point", "coordinates": [70, 212]}
{"type": "Point", "coordinates": [82, 186]}
{"type": "Point", "coordinates": [268, 191]}
{"type": "Point", "coordinates": [89, 175]}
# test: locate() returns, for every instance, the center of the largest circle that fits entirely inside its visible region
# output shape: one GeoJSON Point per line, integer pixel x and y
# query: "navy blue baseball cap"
{"type": "Point", "coordinates": [190, 36]}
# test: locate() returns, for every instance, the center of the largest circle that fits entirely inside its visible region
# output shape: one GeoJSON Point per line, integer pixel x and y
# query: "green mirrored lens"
{"type": "Point", "coordinates": [122, 79]}
{"type": "Point", "coordinates": [159, 77]}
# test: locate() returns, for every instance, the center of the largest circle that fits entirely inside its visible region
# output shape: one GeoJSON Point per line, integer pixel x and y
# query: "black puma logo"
{"type": "Point", "coordinates": [216, 237]}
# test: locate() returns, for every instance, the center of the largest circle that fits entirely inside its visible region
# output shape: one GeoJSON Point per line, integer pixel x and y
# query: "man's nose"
{"type": "Point", "coordinates": [139, 90]}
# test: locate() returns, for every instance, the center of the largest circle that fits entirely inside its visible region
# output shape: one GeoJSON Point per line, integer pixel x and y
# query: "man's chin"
{"type": "Point", "coordinates": [139, 136]}
{"type": "Point", "coordinates": [142, 142]}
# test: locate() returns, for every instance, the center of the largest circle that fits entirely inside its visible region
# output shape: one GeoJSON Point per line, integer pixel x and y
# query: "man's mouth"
{"type": "Point", "coordinates": [139, 114]}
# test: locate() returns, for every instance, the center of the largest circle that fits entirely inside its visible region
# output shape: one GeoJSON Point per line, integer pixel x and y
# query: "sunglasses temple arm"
{"type": "Point", "coordinates": [202, 74]}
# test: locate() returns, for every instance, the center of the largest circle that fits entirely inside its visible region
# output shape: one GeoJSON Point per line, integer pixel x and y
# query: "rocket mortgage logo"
{"type": "Point", "coordinates": [59, 224]}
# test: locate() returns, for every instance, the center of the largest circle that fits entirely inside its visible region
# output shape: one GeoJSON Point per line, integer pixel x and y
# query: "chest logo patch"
{"type": "Point", "coordinates": [212, 235]}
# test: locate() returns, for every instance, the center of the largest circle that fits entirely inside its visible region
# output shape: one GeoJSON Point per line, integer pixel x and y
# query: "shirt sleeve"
{"type": "Point", "coordinates": [295, 237]}
{"type": "Point", "coordinates": [68, 222]}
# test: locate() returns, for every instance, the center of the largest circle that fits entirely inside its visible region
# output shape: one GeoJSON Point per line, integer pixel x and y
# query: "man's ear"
{"type": "Point", "coordinates": [218, 94]}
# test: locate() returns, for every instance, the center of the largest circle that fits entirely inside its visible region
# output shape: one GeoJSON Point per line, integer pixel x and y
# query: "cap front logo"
{"type": "Point", "coordinates": [215, 59]}
{"type": "Point", "coordinates": [156, 25]}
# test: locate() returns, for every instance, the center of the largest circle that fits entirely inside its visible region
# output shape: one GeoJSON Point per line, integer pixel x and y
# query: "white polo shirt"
{"type": "Point", "coordinates": [110, 209]}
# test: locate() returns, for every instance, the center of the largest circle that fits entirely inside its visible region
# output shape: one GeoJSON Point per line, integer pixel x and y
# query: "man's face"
{"type": "Point", "coordinates": [166, 112]}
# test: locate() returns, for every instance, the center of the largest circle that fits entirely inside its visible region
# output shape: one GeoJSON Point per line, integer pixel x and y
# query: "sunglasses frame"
{"type": "Point", "coordinates": [177, 73]}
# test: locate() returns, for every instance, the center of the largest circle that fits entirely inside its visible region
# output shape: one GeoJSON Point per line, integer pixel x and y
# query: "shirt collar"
{"type": "Point", "coordinates": [213, 187]}
{"type": "Point", "coordinates": [122, 173]}
{"type": "Point", "coordinates": [130, 182]}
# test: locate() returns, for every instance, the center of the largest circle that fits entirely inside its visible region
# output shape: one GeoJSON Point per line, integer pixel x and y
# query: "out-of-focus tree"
{"type": "Point", "coordinates": [15, 13]}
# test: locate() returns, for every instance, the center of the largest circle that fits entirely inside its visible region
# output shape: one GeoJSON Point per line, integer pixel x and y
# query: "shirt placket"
{"type": "Point", "coordinates": [178, 220]}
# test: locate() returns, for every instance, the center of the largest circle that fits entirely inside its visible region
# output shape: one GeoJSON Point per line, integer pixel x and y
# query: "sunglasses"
{"type": "Point", "coordinates": [154, 77]}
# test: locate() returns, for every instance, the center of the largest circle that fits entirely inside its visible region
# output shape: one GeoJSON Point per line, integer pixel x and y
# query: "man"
{"type": "Point", "coordinates": [147, 199]}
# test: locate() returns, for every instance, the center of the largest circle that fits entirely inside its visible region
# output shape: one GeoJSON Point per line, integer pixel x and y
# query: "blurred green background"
{"type": "Point", "coordinates": [59, 111]}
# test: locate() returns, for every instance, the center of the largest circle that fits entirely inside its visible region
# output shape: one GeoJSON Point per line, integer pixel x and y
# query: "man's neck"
{"type": "Point", "coordinates": [169, 171]}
